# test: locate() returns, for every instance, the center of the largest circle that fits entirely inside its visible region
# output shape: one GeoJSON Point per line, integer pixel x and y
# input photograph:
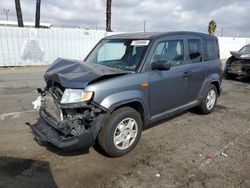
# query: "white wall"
{"type": "Point", "coordinates": [30, 46]}
{"type": "Point", "coordinates": [228, 44]}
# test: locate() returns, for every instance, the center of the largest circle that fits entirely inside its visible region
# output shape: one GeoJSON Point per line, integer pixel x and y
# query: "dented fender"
{"type": "Point", "coordinates": [123, 96]}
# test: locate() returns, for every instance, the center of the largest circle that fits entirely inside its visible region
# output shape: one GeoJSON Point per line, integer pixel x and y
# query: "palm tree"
{"type": "Point", "coordinates": [108, 15]}
{"type": "Point", "coordinates": [212, 27]}
{"type": "Point", "coordinates": [38, 8]}
{"type": "Point", "coordinates": [19, 13]}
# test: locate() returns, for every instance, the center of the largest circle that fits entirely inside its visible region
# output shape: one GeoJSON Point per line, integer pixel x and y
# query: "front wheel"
{"type": "Point", "coordinates": [121, 132]}
{"type": "Point", "coordinates": [209, 101]}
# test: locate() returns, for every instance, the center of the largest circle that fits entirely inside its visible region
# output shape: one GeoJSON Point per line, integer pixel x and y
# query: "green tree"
{"type": "Point", "coordinates": [212, 27]}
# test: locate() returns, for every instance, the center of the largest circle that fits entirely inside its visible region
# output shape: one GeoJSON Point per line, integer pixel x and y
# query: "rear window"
{"type": "Point", "coordinates": [211, 50]}
{"type": "Point", "coordinates": [195, 50]}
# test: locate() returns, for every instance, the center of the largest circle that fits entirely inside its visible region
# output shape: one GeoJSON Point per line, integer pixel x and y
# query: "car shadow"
{"type": "Point", "coordinates": [20, 172]}
{"type": "Point", "coordinates": [194, 111]}
{"type": "Point", "coordinates": [165, 120]}
{"type": "Point", "coordinates": [241, 79]}
{"type": "Point", "coordinates": [99, 150]}
{"type": "Point", "coordinates": [62, 152]}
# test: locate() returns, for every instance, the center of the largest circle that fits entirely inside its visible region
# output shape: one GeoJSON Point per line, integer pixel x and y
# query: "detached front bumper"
{"type": "Point", "coordinates": [45, 132]}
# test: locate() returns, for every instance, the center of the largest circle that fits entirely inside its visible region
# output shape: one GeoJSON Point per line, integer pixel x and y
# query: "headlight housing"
{"type": "Point", "coordinates": [75, 96]}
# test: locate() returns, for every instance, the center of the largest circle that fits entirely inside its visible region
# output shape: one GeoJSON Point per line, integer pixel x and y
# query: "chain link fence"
{"type": "Point", "coordinates": [30, 46]}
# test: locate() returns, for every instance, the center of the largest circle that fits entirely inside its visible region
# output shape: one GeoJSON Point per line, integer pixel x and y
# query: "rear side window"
{"type": "Point", "coordinates": [211, 50]}
{"type": "Point", "coordinates": [195, 50]}
{"type": "Point", "coordinates": [171, 51]}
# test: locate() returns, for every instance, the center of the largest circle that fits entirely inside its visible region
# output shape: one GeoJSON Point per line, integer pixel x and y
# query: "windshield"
{"type": "Point", "coordinates": [120, 54]}
{"type": "Point", "coordinates": [245, 49]}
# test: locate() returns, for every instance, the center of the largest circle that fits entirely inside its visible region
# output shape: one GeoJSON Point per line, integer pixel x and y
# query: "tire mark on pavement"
{"type": "Point", "coordinates": [13, 115]}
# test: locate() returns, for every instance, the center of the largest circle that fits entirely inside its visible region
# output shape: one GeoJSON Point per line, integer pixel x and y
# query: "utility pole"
{"type": "Point", "coordinates": [108, 15]}
{"type": "Point", "coordinates": [6, 13]}
{"type": "Point", "coordinates": [222, 31]}
{"type": "Point", "coordinates": [38, 8]}
{"type": "Point", "coordinates": [144, 26]}
{"type": "Point", "coordinates": [19, 13]}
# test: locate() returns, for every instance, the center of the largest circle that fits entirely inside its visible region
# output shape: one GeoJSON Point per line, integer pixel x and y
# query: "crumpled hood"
{"type": "Point", "coordinates": [78, 74]}
{"type": "Point", "coordinates": [237, 55]}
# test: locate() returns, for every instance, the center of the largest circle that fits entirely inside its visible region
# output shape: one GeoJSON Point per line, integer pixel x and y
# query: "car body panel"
{"type": "Point", "coordinates": [238, 64]}
{"type": "Point", "coordinates": [127, 86]}
{"type": "Point", "coordinates": [78, 74]}
{"type": "Point", "coordinates": [160, 93]}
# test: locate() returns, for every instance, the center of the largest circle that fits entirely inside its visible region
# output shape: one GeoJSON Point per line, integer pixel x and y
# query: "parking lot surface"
{"type": "Point", "coordinates": [189, 150]}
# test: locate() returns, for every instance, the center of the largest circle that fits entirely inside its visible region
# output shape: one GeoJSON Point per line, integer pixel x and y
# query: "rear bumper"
{"type": "Point", "coordinates": [45, 132]}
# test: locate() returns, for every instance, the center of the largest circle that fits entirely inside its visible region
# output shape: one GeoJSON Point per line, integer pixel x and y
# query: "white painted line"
{"type": "Point", "coordinates": [13, 115]}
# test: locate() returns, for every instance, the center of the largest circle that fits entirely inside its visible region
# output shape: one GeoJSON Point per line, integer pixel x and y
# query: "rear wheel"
{"type": "Point", "coordinates": [121, 132]}
{"type": "Point", "coordinates": [209, 101]}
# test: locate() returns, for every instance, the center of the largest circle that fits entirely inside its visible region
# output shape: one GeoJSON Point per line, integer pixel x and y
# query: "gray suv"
{"type": "Point", "coordinates": [126, 83]}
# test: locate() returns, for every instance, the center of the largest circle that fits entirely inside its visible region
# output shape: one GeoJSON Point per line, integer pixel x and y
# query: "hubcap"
{"type": "Point", "coordinates": [211, 97]}
{"type": "Point", "coordinates": [125, 133]}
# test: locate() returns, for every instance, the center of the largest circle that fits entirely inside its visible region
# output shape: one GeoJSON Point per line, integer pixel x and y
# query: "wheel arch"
{"type": "Point", "coordinates": [135, 104]}
{"type": "Point", "coordinates": [217, 85]}
{"type": "Point", "coordinates": [212, 79]}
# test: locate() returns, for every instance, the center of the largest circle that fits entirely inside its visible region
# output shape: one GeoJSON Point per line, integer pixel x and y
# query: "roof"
{"type": "Point", "coordinates": [26, 24]}
{"type": "Point", "coordinates": [154, 35]}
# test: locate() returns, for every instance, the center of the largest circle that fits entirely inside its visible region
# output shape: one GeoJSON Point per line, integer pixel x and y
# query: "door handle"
{"type": "Point", "coordinates": [187, 75]}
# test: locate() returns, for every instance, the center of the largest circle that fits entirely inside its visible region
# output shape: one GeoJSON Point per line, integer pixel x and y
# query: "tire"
{"type": "Point", "coordinates": [204, 107]}
{"type": "Point", "coordinates": [127, 136]}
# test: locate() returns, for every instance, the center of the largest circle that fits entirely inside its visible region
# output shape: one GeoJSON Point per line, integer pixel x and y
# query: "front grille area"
{"type": "Point", "coordinates": [236, 66]}
{"type": "Point", "coordinates": [57, 91]}
{"type": "Point", "coordinates": [51, 108]}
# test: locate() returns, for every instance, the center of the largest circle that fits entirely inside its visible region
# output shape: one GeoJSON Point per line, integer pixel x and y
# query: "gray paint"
{"type": "Point", "coordinates": [169, 91]}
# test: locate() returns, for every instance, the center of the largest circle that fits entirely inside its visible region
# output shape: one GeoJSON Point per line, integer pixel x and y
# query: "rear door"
{"type": "Point", "coordinates": [196, 66]}
{"type": "Point", "coordinates": [168, 88]}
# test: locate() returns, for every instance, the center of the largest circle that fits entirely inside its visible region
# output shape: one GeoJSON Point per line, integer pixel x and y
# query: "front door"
{"type": "Point", "coordinates": [168, 88]}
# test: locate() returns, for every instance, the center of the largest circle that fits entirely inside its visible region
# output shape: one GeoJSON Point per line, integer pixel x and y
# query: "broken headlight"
{"type": "Point", "coordinates": [75, 95]}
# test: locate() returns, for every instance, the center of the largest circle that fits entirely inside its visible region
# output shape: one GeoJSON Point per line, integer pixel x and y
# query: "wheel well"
{"type": "Point", "coordinates": [217, 85]}
{"type": "Point", "coordinates": [135, 105]}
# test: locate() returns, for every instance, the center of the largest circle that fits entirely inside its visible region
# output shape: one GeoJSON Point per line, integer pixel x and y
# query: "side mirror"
{"type": "Point", "coordinates": [161, 65]}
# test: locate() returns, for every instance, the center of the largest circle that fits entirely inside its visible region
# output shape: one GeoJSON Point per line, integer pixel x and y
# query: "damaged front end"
{"type": "Point", "coordinates": [66, 124]}
{"type": "Point", "coordinates": [238, 64]}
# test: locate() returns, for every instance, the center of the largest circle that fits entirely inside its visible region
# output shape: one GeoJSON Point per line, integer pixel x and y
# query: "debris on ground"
{"type": "Point", "coordinates": [223, 154]}
{"type": "Point", "coordinates": [157, 175]}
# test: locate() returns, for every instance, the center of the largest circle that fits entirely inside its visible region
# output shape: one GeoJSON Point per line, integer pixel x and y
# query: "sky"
{"type": "Point", "coordinates": [128, 15]}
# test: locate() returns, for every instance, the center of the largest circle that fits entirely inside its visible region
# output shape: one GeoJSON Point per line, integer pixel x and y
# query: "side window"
{"type": "Point", "coordinates": [171, 51]}
{"type": "Point", "coordinates": [211, 50]}
{"type": "Point", "coordinates": [195, 50]}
